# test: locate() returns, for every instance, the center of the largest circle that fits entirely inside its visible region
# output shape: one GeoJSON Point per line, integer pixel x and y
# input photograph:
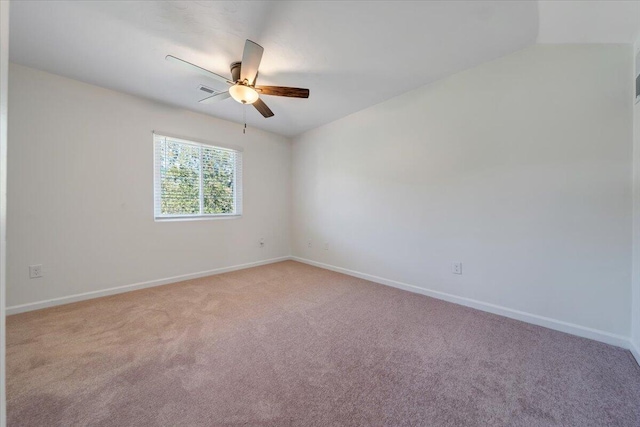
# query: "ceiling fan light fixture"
{"type": "Point", "coordinates": [243, 94]}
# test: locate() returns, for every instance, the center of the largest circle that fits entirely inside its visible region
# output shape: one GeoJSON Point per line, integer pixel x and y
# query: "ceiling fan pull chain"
{"type": "Point", "coordinates": [244, 117]}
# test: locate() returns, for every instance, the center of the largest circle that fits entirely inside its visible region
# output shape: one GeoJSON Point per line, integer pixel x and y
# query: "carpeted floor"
{"type": "Point", "coordinates": [292, 345]}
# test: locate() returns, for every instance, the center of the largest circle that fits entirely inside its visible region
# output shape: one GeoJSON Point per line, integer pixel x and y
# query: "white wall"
{"type": "Point", "coordinates": [519, 168]}
{"type": "Point", "coordinates": [4, 69]}
{"type": "Point", "coordinates": [81, 191]}
{"type": "Point", "coordinates": [635, 329]}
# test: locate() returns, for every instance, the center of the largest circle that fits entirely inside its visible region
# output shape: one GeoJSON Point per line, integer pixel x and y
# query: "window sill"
{"type": "Point", "coordinates": [195, 218]}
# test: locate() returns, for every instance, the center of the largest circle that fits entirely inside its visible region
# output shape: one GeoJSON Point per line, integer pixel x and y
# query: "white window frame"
{"type": "Point", "coordinates": [160, 137]}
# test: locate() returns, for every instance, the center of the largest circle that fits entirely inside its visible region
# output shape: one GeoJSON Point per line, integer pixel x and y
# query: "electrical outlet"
{"type": "Point", "coordinates": [35, 271]}
{"type": "Point", "coordinates": [261, 242]}
{"type": "Point", "coordinates": [326, 246]}
{"type": "Point", "coordinates": [309, 244]}
{"type": "Point", "coordinates": [456, 268]}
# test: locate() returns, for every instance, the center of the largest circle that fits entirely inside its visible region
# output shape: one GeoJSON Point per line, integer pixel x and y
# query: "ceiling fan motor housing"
{"type": "Point", "coordinates": [235, 71]}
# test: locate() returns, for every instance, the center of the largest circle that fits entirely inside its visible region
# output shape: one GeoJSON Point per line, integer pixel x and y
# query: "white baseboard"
{"type": "Point", "coordinates": [142, 285]}
{"type": "Point", "coordinates": [558, 325]}
{"type": "Point", "coordinates": [635, 351]}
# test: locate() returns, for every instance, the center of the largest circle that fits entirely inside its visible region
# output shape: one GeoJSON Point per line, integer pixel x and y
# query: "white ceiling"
{"type": "Point", "coordinates": [349, 54]}
{"type": "Point", "coordinates": [589, 21]}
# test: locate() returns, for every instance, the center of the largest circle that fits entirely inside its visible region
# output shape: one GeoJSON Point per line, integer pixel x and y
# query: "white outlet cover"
{"type": "Point", "coordinates": [35, 271]}
{"type": "Point", "coordinates": [456, 268]}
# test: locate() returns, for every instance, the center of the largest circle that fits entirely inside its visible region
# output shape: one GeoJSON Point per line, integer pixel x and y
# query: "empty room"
{"type": "Point", "coordinates": [320, 213]}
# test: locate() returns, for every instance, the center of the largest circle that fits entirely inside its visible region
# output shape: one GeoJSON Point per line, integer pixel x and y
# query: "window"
{"type": "Point", "coordinates": [194, 180]}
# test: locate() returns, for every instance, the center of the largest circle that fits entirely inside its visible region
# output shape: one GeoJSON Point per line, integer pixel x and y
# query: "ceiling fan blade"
{"type": "Point", "coordinates": [292, 92]}
{"type": "Point", "coordinates": [262, 107]}
{"type": "Point", "coordinates": [251, 58]}
{"type": "Point", "coordinates": [215, 98]}
{"type": "Point", "coordinates": [200, 70]}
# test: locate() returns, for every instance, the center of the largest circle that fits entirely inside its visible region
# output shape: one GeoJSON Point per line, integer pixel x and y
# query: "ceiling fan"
{"type": "Point", "coordinates": [243, 81]}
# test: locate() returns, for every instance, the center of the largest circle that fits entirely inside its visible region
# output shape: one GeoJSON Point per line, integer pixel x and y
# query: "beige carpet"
{"type": "Point", "coordinates": [292, 345]}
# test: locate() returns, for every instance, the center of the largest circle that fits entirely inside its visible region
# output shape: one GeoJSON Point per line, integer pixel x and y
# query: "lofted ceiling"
{"type": "Point", "coordinates": [349, 54]}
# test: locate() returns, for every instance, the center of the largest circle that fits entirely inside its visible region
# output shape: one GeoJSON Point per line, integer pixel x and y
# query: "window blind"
{"type": "Point", "coordinates": [192, 179]}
